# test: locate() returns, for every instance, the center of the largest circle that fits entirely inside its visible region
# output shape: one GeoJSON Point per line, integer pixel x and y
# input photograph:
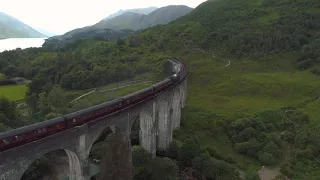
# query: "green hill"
{"type": "Point", "coordinates": [135, 19]}
{"type": "Point", "coordinates": [11, 27]}
{"type": "Point", "coordinates": [253, 87]}
{"type": "Point", "coordinates": [73, 38]}
{"type": "Point", "coordinates": [119, 26]}
{"type": "Point", "coordinates": [252, 28]}
{"type": "Point", "coordinates": [248, 60]}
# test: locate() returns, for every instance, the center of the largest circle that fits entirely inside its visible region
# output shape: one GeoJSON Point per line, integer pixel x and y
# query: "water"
{"type": "Point", "coordinates": [13, 43]}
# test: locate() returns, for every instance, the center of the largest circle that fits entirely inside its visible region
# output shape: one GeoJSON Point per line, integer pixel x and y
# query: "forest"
{"type": "Point", "coordinates": [260, 110]}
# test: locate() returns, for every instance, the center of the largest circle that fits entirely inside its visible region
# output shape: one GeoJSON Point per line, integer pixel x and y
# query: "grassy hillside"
{"type": "Point", "coordinates": [74, 38]}
{"type": "Point", "coordinates": [249, 28]}
{"type": "Point", "coordinates": [246, 59]}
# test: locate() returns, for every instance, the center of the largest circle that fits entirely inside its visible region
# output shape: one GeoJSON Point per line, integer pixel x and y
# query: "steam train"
{"type": "Point", "coordinates": [46, 128]}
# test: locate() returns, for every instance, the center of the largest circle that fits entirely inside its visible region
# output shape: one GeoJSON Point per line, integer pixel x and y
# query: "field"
{"type": "Point", "coordinates": [100, 97]}
{"type": "Point", "coordinates": [113, 90]}
{"type": "Point", "coordinates": [217, 91]}
{"type": "Point", "coordinates": [13, 92]}
{"type": "Point", "coordinates": [1, 76]}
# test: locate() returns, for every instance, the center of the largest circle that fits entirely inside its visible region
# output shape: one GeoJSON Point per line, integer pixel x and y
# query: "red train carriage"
{"type": "Point", "coordinates": [30, 133]}
{"type": "Point", "coordinates": [138, 96]}
{"type": "Point", "coordinates": [83, 116]}
{"type": "Point", "coordinates": [162, 85]}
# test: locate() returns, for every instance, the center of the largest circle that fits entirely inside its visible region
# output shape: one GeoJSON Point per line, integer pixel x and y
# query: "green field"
{"type": "Point", "coordinates": [216, 93]}
{"type": "Point", "coordinates": [106, 93]}
{"type": "Point", "coordinates": [13, 92]}
{"type": "Point", "coordinates": [100, 97]}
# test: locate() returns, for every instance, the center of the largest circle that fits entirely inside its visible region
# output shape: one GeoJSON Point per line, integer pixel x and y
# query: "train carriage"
{"type": "Point", "coordinates": [80, 117]}
{"type": "Point", "coordinates": [32, 132]}
{"type": "Point", "coordinates": [162, 85]}
{"type": "Point", "coordinates": [137, 96]}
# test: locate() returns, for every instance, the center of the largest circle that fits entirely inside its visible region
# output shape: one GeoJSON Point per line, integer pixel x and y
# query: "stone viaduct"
{"type": "Point", "coordinates": [159, 116]}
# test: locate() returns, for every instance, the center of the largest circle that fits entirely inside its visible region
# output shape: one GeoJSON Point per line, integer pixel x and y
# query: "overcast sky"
{"type": "Point", "coordinates": [60, 16]}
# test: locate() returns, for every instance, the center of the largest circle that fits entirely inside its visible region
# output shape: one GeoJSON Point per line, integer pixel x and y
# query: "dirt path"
{"type": "Point", "coordinates": [266, 173]}
{"type": "Point", "coordinates": [94, 90]}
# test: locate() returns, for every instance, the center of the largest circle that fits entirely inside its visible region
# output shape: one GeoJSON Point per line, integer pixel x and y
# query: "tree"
{"type": "Point", "coordinates": [140, 160]}
{"type": "Point", "coordinates": [44, 104]}
{"type": "Point", "coordinates": [252, 175]}
{"type": "Point", "coordinates": [189, 149]}
{"type": "Point", "coordinates": [56, 98]}
{"type": "Point", "coordinates": [162, 169]}
{"type": "Point", "coordinates": [2, 128]}
{"type": "Point", "coordinates": [140, 157]}
{"type": "Point", "coordinates": [199, 161]}
{"type": "Point", "coordinates": [8, 114]}
{"type": "Point", "coordinates": [174, 148]}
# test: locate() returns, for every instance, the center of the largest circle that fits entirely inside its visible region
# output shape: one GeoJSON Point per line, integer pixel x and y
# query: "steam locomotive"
{"type": "Point", "coordinates": [40, 130]}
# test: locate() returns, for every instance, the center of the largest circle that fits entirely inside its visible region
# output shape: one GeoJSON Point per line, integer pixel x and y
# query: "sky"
{"type": "Point", "coordinates": [60, 16]}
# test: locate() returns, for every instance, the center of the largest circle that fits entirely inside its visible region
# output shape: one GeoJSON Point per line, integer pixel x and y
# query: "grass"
{"type": "Point", "coordinates": [13, 92]}
{"type": "Point", "coordinates": [1, 76]}
{"type": "Point", "coordinates": [243, 88]}
{"type": "Point", "coordinates": [257, 86]}
{"type": "Point", "coordinates": [100, 97]}
{"type": "Point", "coordinates": [206, 125]}
{"type": "Point", "coordinates": [268, 19]}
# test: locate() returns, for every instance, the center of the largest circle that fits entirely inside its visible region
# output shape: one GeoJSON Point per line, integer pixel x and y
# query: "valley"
{"type": "Point", "coordinates": [252, 95]}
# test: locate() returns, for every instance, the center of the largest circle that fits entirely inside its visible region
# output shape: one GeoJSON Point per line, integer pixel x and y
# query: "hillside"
{"type": "Point", "coordinates": [254, 81]}
{"type": "Point", "coordinates": [253, 87]}
{"type": "Point", "coordinates": [138, 11]}
{"type": "Point", "coordinates": [136, 21]}
{"type": "Point", "coordinates": [250, 28]}
{"type": "Point", "coordinates": [129, 20]}
{"type": "Point", "coordinates": [11, 27]}
{"type": "Point", "coordinates": [70, 38]}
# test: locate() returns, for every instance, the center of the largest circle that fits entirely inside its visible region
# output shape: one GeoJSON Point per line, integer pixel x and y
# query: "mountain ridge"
{"type": "Point", "coordinates": [11, 27]}
{"type": "Point", "coordinates": [128, 22]}
{"type": "Point", "coordinates": [136, 21]}
{"type": "Point", "coordinates": [137, 10]}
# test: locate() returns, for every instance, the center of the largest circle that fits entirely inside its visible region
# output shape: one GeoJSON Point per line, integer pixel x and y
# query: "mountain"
{"type": "Point", "coordinates": [124, 24]}
{"type": "Point", "coordinates": [138, 11]}
{"type": "Point", "coordinates": [136, 21]}
{"type": "Point", "coordinates": [11, 27]}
